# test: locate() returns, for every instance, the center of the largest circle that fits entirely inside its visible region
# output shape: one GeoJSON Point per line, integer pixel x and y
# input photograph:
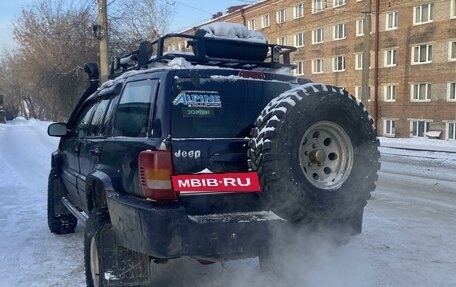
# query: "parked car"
{"type": "Point", "coordinates": [202, 154]}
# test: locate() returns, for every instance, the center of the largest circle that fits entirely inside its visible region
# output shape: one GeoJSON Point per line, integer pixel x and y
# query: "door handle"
{"type": "Point", "coordinates": [95, 151]}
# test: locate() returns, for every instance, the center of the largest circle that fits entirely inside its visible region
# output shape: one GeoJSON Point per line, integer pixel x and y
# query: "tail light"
{"type": "Point", "coordinates": [155, 170]}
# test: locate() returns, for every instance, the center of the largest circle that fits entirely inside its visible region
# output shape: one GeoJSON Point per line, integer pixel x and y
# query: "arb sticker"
{"type": "Point", "coordinates": [216, 182]}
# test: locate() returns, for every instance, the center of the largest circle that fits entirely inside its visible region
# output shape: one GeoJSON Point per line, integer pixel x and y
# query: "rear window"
{"type": "Point", "coordinates": [215, 109]}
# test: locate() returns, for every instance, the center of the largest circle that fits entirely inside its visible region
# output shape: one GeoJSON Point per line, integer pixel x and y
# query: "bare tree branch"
{"type": "Point", "coordinates": [54, 40]}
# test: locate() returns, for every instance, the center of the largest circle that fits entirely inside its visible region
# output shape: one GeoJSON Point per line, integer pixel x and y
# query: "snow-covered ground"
{"type": "Point", "coordinates": [408, 236]}
{"type": "Point", "coordinates": [419, 144]}
{"type": "Point", "coordinates": [29, 254]}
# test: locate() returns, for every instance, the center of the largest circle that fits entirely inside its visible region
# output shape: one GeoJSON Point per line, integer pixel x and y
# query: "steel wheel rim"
{"type": "Point", "coordinates": [326, 155]}
{"type": "Point", "coordinates": [94, 263]}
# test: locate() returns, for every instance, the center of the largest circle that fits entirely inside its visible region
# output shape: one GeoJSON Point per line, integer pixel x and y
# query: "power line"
{"type": "Point", "coordinates": [188, 6]}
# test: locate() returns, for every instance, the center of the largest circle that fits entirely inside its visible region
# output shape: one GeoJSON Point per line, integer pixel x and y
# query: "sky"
{"type": "Point", "coordinates": [191, 12]}
{"type": "Point", "coordinates": [9, 11]}
{"type": "Point", "coordinates": [187, 13]}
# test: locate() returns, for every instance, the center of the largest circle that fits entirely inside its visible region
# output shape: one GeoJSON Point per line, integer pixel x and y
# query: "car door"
{"type": "Point", "coordinates": [91, 146]}
{"type": "Point", "coordinates": [70, 150]}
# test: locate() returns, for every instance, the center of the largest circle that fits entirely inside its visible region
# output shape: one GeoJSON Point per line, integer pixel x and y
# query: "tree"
{"type": "Point", "coordinates": [132, 21]}
{"type": "Point", "coordinates": [55, 39]}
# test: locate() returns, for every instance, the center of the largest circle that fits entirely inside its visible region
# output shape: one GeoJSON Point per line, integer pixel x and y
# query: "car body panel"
{"type": "Point", "coordinates": [216, 143]}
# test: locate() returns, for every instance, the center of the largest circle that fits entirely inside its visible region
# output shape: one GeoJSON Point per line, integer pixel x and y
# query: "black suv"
{"type": "Point", "coordinates": [200, 154]}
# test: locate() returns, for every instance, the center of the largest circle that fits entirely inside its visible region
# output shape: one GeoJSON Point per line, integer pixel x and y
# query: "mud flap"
{"type": "Point", "coordinates": [120, 266]}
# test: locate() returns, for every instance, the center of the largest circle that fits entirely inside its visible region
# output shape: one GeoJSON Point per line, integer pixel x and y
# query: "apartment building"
{"type": "Point", "coordinates": [412, 60]}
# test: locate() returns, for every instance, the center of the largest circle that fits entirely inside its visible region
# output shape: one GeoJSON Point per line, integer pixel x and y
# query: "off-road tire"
{"type": "Point", "coordinates": [316, 153]}
{"type": "Point", "coordinates": [58, 222]}
{"type": "Point", "coordinates": [125, 267]}
{"type": "Point", "coordinates": [94, 225]}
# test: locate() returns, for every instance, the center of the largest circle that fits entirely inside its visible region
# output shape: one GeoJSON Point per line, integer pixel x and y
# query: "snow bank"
{"type": "Point", "coordinates": [419, 144]}
{"type": "Point", "coordinates": [179, 63]}
{"type": "Point", "coordinates": [21, 121]}
{"type": "Point", "coordinates": [232, 31]}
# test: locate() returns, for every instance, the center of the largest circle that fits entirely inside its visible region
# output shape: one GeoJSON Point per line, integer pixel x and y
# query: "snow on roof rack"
{"type": "Point", "coordinates": [207, 50]}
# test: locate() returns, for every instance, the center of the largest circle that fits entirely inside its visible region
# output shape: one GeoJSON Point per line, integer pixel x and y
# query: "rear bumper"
{"type": "Point", "coordinates": [166, 231]}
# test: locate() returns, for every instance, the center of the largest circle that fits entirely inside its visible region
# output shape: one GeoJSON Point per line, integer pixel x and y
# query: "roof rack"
{"type": "Point", "coordinates": [210, 51]}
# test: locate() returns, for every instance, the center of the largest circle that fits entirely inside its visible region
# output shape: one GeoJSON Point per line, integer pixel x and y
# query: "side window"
{"type": "Point", "coordinates": [108, 115]}
{"type": "Point", "coordinates": [134, 109]}
{"type": "Point", "coordinates": [82, 125]}
{"type": "Point", "coordinates": [98, 123]}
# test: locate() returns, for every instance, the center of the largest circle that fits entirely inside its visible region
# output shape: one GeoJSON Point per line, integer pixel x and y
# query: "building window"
{"type": "Point", "coordinates": [358, 61]}
{"type": "Point", "coordinates": [317, 36]}
{"type": "Point", "coordinates": [317, 6]}
{"type": "Point", "coordinates": [453, 9]}
{"type": "Point", "coordinates": [451, 91]}
{"type": "Point", "coordinates": [360, 27]}
{"type": "Point", "coordinates": [339, 31]}
{"type": "Point", "coordinates": [251, 24]}
{"type": "Point", "coordinates": [389, 128]}
{"type": "Point", "coordinates": [451, 130]}
{"type": "Point", "coordinates": [339, 64]}
{"type": "Point", "coordinates": [452, 51]}
{"type": "Point", "coordinates": [338, 3]}
{"type": "Point", "coordinates": [299, 68]}
{"type": "Point", "coordinates": [281, 41]}
{"type": "Point", "coordinates": [281, 16]}
{"type": "Point", "coordinates": [390, 58]}
{"type": "Point", "coordinates": [317, 66]}
{"type": "Point", "coordinates": [299, 40]}
{"type": "Point", "coordinates": [298, 11]}
{"type": "Point", "coordinates": [419, 128]}
{"type": "Point", "coordinates": [265, 21]}
{"type": "Point", "coordinates": [423, 14]}
{"type": "Point", "coordinates": [390, 93]}
{"type": "Point", "coordinates": [422, 54]}
{"type": "Point", "coordinates": [359, 93]}
{"type": "Point", "coordinates": [392, 20]}
{"type": "Point", "coordinates": [421, 92]}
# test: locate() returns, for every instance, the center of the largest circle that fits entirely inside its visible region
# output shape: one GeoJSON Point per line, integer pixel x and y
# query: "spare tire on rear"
{"type": "Point", "coordinates": [316, 154]}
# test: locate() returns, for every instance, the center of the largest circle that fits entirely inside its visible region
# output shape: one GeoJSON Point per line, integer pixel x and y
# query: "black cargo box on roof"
{"type": "Point", "coordinates": [228, 48]}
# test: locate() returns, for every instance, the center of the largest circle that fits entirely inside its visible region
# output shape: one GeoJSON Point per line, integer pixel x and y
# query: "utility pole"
{"type": "Point", "coordinates": [103, 39]}
{"type": "Point", "coordinates": [366, 54]}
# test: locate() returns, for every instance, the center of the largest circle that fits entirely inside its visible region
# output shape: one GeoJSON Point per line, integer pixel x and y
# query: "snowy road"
{"type": "Point", "coordinates": [409, 235]}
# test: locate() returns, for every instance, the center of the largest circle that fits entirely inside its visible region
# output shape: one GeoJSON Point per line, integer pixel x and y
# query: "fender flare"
{"type": "Point", "coordinates": [56, 160]}
{"type": "Point", "coordinates": [98, 183]}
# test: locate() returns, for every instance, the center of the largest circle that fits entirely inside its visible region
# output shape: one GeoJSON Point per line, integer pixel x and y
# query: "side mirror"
{"type": "Point", "coordinates": [57, 130]}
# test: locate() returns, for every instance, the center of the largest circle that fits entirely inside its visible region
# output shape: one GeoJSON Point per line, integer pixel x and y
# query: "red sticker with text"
{"type": "Point", "coordinates": [216, 182]}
